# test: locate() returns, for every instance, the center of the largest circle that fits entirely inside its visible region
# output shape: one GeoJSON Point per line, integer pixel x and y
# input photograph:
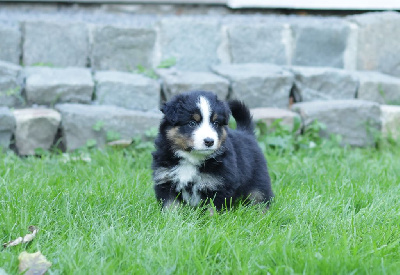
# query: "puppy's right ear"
{"type": "Point", "coordinates": [170, 113]}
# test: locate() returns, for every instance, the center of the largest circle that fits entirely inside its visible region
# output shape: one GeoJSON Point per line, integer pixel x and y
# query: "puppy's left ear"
{"type": "Point", "coordinates": [227, 113]}
{"type": "Point", "coordinates": [170, 113]}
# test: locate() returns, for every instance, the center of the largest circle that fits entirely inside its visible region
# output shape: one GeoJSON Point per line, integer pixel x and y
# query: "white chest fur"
{"type": "Point", "coordinates": [186, 174]}
{"type": "Point", "coordinates": [190, 181]}
{"type": "Point", "coordinates": [187, 178]}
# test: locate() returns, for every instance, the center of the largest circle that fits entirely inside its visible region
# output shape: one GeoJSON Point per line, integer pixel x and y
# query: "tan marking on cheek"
{"type": "Point", "coordinates": [215, 116]}
{"type": "Point", "coordinates": [223, 137]}
{"type": "Point", "coordinates": [197, 117]}
{"type": "Point", "coordinates": [179, 141]}
{"type": "Point", "coordinates": [172, 132]}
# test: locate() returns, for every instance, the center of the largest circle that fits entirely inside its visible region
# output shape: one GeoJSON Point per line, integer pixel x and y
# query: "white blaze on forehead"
{"type": "Point", "coordinates": [204, 107]}
{"type": "Point", "coordinates": [205, 129]}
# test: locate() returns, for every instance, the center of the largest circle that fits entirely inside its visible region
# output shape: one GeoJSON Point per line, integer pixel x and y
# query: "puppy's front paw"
{"type": "Point", "coordinates": [170, 205]}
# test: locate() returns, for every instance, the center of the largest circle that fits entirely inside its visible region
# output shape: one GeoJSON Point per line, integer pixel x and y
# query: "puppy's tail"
{"type": "Point", "coordinates": [241, 113]}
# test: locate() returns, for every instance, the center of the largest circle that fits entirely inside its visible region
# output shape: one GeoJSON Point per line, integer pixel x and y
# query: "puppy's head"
{"type": "Point", "coordinates": [196, 122]}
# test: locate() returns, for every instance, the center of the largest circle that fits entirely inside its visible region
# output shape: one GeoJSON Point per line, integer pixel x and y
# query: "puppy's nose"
{"type": "Point", "coordinates": [208, 142]}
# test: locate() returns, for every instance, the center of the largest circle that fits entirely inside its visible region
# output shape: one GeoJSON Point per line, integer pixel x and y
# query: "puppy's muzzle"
{"type": "Point", "coordinates": [208, 142]}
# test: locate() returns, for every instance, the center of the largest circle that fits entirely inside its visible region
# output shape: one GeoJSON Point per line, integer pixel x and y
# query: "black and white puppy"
{"type": "Point", "coordinates": [199, 158]}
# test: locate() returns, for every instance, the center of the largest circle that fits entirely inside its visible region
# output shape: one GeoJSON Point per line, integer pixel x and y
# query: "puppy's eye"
{"type": "Point", "coordinates": [216, 123]}
{"type": "Point", "coordinates": [192, 123]}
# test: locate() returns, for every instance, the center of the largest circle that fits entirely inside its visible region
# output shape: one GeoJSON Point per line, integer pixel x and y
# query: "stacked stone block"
{"type": "Point", "coordinates": [390, 120]}
{"type": "Point", "coordinates": [378, 87]}
{"type": "Point", "coordinates": [121, 48]}
{"type": "Point", "coordinates": [260, 42]}
{"type": "Point", "coordinates": [7, 127]}
{"type": "Point", "coordinates": [259, 85]}
{"type": "Point", "coordinates": [10, 45]}
{"type": "Point", "coordinates": [327, 43]}
{"type": "Point", "coordinates": [323, 83]}
{"type": "Point", "coordinates": [48, 86]}
{"type": "Point", "coordinates": [194, 42]}
{"type": "Point", "coordinates": [357, 121]}
{"type": "Point", "coordinates": [176, 82]}
{"type": "Point", "coordinates": [82, 123]}
{"type": "Point", "coordinates": [35, 129]}
{"type": "Point", "coordinates": [10, 85]}
{"type": "Point", "coordinates": [378, 44]}
{"type": "Point", "coordinates": [60, 44]}
{"type": "Point", "coordinates": [270, 115]}
{"type": "Point", "coordinates": [127, 90]}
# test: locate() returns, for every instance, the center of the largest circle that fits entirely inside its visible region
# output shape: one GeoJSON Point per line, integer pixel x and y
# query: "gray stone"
{"type": "Point", "coordinates": [122, 48]}
{"type": "Point", "coordinates": [53, 85]}
{"type": "Point", "coordinates": [127, 90]}
{"type": "Point", "coordinates": [10, 85]}
{"type": "Point", "coordinates": [390, 121]}
{"type": "Point", "coordinates": [258, 85]}
{"type": "Point", "coordinates": [36, 128]}
{"type": "Point", "coordinates": [378, 42]}
{"type": "Point", "coordinates": [56, 43]}
{"type": "Point", "coordinates": [88, 123]}
{"type": "Point", "coordinates": [7, 127]}
{"type": "Point", "coordinates": [378, 87]}
{"type": "Point", "coordinates": [322, 83]}
{"type": "Point", "coordinates": [193, 41]}
{"type": "Point", "coordinates": [176, 82]}
{"type": "Point", "coordinates": [357, 121]}
{"type": "Point", "coordinates": [260, 42]}
{"type": "Point", "coordinates": [323, 42]}
{"type": "Point", "coordinates": [270, 115]}
{"type": "Point", "coordinates": [10, 43]}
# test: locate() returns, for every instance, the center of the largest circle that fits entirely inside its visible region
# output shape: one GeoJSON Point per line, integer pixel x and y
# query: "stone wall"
{"type": "Point", "coordinates": [95, 75]}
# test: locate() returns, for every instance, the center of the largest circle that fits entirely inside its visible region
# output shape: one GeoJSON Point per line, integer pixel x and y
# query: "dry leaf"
{"type": "Point", "coordinates": [122, 143]}
{"type": "Point", "coordinates": [33, 263]}
{"type": "Point", "coordinates": [27, 238]}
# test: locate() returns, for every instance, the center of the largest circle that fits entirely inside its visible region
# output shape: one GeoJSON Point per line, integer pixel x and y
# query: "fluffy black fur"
{"type": "Point", "coordinates": [238, 164]}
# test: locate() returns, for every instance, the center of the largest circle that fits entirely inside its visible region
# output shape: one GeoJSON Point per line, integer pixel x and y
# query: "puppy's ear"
{"type": "Point", "coordinates": [227, 113]}
{"type": "Point", "coordinates": [170, 113]}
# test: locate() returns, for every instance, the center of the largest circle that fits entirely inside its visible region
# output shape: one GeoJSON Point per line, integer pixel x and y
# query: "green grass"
{"type": "Point", "coordinates": [337, 211]}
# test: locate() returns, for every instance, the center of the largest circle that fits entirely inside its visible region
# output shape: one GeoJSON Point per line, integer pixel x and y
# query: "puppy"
{"type": "Point", "coordinates": [198, 158]}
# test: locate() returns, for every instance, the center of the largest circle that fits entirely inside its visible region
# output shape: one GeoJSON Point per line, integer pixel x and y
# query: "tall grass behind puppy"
{"type": "Point", "coordinates": [199, 158]}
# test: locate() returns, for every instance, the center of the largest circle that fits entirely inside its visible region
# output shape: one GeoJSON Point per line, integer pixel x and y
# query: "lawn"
{"type": "Point", "coordinates": [336, 211]}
